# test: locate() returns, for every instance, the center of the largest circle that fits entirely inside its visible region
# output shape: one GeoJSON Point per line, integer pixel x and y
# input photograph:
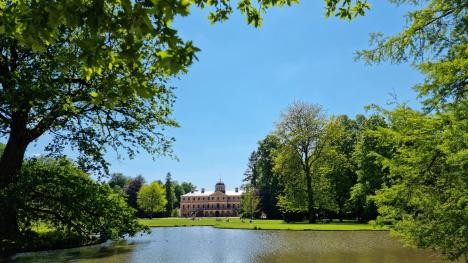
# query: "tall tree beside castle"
{"type": "Point", "coordinates": [251, 173]}
{"type": "Point", "coordinates": [304, 133]}
{"type": "Point", "coordinates": [170, 195]}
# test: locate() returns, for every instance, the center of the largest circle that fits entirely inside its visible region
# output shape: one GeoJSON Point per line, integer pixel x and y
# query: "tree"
{"type": "Point", "coordinates": [371, 175]}
{"type": "Point", "coordinates": [118, 181]}
{"type": "Point", "coordinates": [188, 187]}
{"type": "Point", "coordinates": [304, 133]}
{"type": "Point", "coordinates": [269, 183]}
{"type": "Point", "coordinates": [132, 189]}
{"type": "Point", "coordinates": [56, 192]}
{"type": "Point", "coordinates": [435, 41]}
{"type": "Point", "coordinates": [178, 192]}
{"type": "Point", "coordinates": [426, 197]}
{"type": "Point", "coordinates": [251, 174]}
{"type": "Point", "coordinates": [170, 196]}
{"type": "Point", "coordinates": [151, 198]}
{"type": "Point", "coordinates": [249, 202]}
{"type": "Point", "coordinates": [341, 167]}
{"type": "Point", "coordinates": [93, 75]}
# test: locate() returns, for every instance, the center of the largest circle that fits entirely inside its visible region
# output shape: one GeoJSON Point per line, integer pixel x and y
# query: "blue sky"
{"type": "Point", "coordinates": [246, 76]}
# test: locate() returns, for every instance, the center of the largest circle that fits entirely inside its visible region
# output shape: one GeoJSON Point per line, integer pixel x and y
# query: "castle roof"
{"type": "Point", "coordinates": [208, 193]}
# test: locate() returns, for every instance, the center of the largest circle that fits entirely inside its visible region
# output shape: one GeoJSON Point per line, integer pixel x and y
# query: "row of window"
{"type": "Point", "coordinates": [212, 198]}
{"type": "Point", "coordinates": [213, 206]}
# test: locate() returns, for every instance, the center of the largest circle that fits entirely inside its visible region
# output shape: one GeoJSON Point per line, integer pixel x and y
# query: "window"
{"type": "Point", "coordinates": [212, 198]}
{"type": "Point", "coordinates": [218, 197]}
{"type": "Point", "coordinates": [217, 205]}
{"type": "Point", "coordinates": [198, 198]}
{"type": "Point", "coordinates": [188, 198]}
{"type": "Point", "coordinates": [183, 206]}
{"type": "Point", "coordinates": [198, 206]}
{"type": "Point", "coordinates": [193, 206]}
{"type": "Point", "coordinates": [228, 206]}
{"type": "Point", "coordinates": [183, 198]}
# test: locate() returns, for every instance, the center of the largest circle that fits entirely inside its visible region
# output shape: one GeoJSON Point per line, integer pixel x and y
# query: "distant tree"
{"type": "Point", "coordinates": [269, 183]}
{"type": "Point", "coordinates": [178, 192]}
{"type": "Point", "coordinates": [304, 133]}
{"type": "Point", "coordinates": [170, 195]}
{"type": "Point", "coordinates": [132, 189]}
{"type": "Point", "coordinates": [341, 167]}
{"type": "Point", "coordinates": [371, 174]}
{"type": "Point", "coordinates": [118, 181]}
{"type": "Point", "coordinates": [251, 174]}
{"type": "Point", "coordinates": [188, 187]}
{"type": "Point", "coordinates": [151, 198]}
{"type": "Point", "coordinates": [249, 202]}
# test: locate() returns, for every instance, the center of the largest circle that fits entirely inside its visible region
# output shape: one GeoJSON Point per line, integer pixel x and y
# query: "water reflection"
{"type": "Point", "coordinates": [206, 244]}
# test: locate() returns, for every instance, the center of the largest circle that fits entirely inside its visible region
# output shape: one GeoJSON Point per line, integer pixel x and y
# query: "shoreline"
{"type": "Point", "coordinates": [259, 224]}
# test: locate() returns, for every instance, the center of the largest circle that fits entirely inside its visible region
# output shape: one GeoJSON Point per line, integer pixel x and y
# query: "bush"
{"type": "Point", "coordinates": [77, 209]}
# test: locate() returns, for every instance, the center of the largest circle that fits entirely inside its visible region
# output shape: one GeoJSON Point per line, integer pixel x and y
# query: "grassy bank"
{"type": "Point", "coordinates": [236, 223]}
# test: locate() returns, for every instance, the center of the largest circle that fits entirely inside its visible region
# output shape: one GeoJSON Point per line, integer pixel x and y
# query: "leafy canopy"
{"type": "Point", "coordinates": [426, 197]}
{"type": "Point", "coordinates": [152, 198]}
{"type": "Point", "coordinates": [67, 200]}
{"type": "Point", "coordinates": [435, 40]}
{"type": "Point", "coordinates": [94, 73]}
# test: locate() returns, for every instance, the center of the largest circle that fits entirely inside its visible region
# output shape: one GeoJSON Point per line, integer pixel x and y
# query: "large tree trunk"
{"type": "Point", "coordinates": [310, 196]}
{"type": "Point", "coordinates": [10, 164]}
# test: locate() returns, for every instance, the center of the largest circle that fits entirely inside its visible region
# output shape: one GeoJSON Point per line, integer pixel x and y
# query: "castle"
{"type": "Point", "coordinates": [217, 203]}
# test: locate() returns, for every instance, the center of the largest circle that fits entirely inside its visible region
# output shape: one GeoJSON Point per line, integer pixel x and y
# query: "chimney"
{"type": "Point", "coordinates": [203, 190]}
{"type": "Point", "coordinates": [237, 189]}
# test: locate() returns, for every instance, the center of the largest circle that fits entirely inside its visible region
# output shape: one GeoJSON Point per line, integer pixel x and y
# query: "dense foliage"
{"type": "Point", "coordinates": [57, 194]}
{"type": "Point", "coordinates": [118, 181]}
{"type": "Point", "coordinates": [268, 182]}
{"type": "Point", "coordinates": [426, 194]}
{"type": "Point", "coordinates": [249, 202]}
{"type": "Point", "coordinates": [305, 135]}
{"type": "Point", "coordinates": [152, 198]}
{"type": "Point", "coordinates": [170, 194]}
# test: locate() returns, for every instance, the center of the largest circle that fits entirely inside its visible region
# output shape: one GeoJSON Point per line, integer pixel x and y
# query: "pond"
{"type": "Point", "coordinates": [207, 244]}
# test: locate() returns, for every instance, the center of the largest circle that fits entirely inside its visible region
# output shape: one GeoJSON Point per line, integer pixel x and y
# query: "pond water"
{"type": "Point", "coordinates": [207, 244]}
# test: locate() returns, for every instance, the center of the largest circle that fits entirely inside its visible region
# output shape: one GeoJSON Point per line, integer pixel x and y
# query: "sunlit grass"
{"type": "Point", "coordinates": [236, 223]}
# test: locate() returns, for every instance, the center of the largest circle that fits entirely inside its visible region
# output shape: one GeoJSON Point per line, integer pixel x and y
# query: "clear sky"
{"type": "Point", "coordinates": [245, 76]}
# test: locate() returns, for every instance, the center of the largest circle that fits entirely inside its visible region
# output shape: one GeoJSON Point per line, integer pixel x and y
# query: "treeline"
{"type": "Point", "coordinates": [156, 199]}
{"type": "Point", "coordinates": [324, 160]}
{"type": "Point", "coordinates": [400, 167]}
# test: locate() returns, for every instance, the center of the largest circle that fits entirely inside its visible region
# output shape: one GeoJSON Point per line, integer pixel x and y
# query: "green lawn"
{"type": "Point", "coordinates": [236, 223]}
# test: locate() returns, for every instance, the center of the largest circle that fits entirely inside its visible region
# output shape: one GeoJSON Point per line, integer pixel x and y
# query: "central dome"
{"type": "Point", "coordinates": [220, 187]}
